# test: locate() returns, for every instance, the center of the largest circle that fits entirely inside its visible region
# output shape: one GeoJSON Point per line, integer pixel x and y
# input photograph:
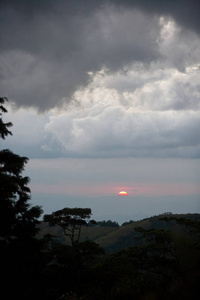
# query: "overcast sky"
{"type": "Point", "coordinates": [105, 95]}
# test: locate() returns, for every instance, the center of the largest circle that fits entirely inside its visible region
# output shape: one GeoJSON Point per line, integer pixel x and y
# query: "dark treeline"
{"type": "Point", "coordinates": [108, 223]}
{"type": "Point", "coordinates": [163, 264]}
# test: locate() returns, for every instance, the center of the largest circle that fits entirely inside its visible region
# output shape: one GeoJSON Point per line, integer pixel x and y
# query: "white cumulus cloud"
{"type": "Point", "coordinates": [151, 117]}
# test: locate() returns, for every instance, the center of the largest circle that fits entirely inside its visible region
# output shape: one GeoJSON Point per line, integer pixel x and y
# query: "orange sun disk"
{"type": "Point", "coordinates": [123, 193]}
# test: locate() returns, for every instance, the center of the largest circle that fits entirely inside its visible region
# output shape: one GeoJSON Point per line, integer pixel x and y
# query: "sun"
{"type": "Point", "coordinates": [123, 193]}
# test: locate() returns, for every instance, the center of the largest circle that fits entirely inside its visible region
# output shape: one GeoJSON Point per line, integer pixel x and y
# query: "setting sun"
{"type": "Point", "coordinates": [123, 193]}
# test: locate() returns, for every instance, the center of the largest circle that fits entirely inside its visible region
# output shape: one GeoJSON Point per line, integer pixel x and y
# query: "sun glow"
{"type": "Point", "coordinates": [123, 193]}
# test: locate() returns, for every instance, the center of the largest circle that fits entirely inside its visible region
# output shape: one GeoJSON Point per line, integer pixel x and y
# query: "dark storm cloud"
{"type": "Point", "coordinates": [42, 51]}
{"type": "Point", "coordinates": [185, 12]}
{"type": "Point", "coordinates": [48, 47]}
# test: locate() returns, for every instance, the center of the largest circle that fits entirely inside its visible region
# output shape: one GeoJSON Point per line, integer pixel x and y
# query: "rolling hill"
{"type": "Point", "coordinates": [114, 239]}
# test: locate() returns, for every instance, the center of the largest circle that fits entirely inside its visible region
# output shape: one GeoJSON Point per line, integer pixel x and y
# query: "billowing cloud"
{"type": "Point", "coordinates": [49, 47]}
{"type": "Point", "coordinates": [144, 110]}
{"type": "Point", "coordinates": [145, 116]}
{"type": "Point", "coordinates": [49, 57]}
{"type": "Point", "coordinates": [110, 80]}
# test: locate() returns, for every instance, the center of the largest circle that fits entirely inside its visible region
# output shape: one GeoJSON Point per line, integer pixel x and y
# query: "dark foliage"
{"type": "Point", "coordinates": [18, 245]}
{"type": "Point", "coordinates": [108, 223]}
{"type": "Point", "coordinates": [70, 220]}
{"type": "Point", "coordinates": [4, 126]}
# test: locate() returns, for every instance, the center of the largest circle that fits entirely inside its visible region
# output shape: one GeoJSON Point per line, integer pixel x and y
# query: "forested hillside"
{"type": "Point", "coordinates": [155, 258]}
{"type": "Point", "coordinates": [115, 238]}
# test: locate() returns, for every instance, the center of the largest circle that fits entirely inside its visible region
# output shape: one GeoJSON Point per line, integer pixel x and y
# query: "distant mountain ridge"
{"type": "Point", "coordinates": [114, 239]}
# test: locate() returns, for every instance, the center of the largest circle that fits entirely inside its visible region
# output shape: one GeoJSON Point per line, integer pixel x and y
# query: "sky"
{"type": "Point", "coordinates": [105, 96]}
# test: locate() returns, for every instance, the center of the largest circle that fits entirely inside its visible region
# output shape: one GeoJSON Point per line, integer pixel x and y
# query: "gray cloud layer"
{"type": "Point", "coordinates": [158, 116]}
{"type": "Point", "coordinates": [111, 78]}
{"type": "Point", "coordinates": [48, 47]}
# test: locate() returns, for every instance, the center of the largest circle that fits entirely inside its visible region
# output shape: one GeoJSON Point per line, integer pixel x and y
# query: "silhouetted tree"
{"type": "Point", "coordinates": [90, 252]}
{"type": "Point", "coordinates": [70, 220]}
{"type": "Point", "coordinates": [108, 223]}
{"type": "Point", "coordinates": [18, 220]}
{"type": "Point", "coordinates": [4, 126]}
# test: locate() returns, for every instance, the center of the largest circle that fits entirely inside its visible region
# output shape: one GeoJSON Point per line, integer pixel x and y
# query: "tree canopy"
{"type": "Point", "coordinates": [16, 216]}
{"type": "Point", "coordinates": [4, 126]}
{"type": "Point", "coordinates": [71, 220]}
{"type": "Point", "coordinates": [20, 250]}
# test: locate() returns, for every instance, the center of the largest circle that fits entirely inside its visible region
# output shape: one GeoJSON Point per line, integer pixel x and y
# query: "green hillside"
{"type": "Point", "coordinates": [124, 236]}
{"type": "Point", "coordinates": [87, 233]}
{"type": "Point", "coordinates": [114, 239]}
